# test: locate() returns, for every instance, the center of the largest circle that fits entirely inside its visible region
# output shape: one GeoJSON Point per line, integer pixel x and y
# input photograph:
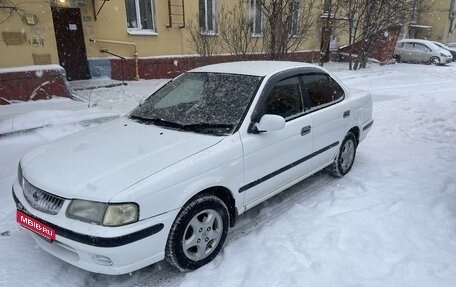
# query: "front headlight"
{"type": "Point", "coordinates": [443, 55]}
{"type": "Point", "coordinates": [120, 214]}
{"type": "Point", "coordinates": [88, 211]}
{"type": "Point", "coordinates": [103, 213]}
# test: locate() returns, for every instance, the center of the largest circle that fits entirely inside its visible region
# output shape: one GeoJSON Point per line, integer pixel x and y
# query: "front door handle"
{"type": "Point", "coordinates": [305, 130]}
{"type": "Point", "coordinates": [346, 114]}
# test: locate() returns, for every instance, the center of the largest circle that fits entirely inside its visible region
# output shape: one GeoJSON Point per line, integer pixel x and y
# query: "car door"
{"type": "Point", "coordinates": [272, 160]}
{"type": "Point", "coordinates": [331, 117]}
{"type": "Point", "coordinates": [423, 53]}
{"type": "Point", "coordinates": [407, 52]}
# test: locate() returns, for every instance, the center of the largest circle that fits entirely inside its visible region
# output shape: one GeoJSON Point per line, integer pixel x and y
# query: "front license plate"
{"type": "Point", "coordinates": [35, 225]}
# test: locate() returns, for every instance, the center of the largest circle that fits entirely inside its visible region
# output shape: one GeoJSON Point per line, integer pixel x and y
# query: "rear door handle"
{"type": "Point", "coordinates": [346, 114]}
{"type": "Point", "coordinates": [305, 130]}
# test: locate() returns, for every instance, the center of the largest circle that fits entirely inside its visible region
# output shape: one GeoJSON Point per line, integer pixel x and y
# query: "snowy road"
{"type": "Point", "coordinates": [390, 222]}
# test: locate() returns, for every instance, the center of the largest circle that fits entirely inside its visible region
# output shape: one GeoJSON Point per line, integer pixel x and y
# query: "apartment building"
{"type": "Point", "coordinates": [435, 20]}
{"type": "Point", "coordinates": [89, 38]}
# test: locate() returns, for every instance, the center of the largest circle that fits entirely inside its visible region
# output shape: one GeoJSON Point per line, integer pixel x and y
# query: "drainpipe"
{"type": "Point", "coordinates": [452, 16]}
{"type": "Point", "coordinates": [122, 43]}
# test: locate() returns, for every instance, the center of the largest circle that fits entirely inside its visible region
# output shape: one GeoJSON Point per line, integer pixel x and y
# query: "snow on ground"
{"type": "Point", "coordinates": [390, 222]}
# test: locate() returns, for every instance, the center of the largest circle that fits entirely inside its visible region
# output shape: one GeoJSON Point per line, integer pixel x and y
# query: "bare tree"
{"type": "Point", "coordinates": [286, 26]}
{"type": "Point", "coordinates": [236, 30]}
{"type": "Point", "coordinates": [9, 8]}
{"type": "Point", "coordinates": [203, 43]}
{"type": "Point", "coordinates": [333, 24]}
{"type": "Point", "coordinates": [367, 20]}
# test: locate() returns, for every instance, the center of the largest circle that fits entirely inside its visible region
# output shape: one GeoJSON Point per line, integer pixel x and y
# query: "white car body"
{"type": "Point", "coordinates": [160, 169]}
{"type": "Point", "coordinates": [449, 49]}
{"type": "Point", "coordinates": [421, 51]}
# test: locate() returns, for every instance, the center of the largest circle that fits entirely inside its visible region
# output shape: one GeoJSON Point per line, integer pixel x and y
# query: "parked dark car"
{"type": "Point", "coordinates": [449, 49]}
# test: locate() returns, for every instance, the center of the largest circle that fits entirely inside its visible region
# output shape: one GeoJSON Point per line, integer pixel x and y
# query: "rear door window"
{"type": "Point", "coordinates": [421, 47]}
{"type": "Point", "coordinates": [408, 46]}
{"type": "Point", "coordinates": [321, 90]}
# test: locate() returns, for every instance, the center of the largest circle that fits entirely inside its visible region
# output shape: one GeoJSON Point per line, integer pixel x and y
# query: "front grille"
{"type": "Point", "coordinates": [42, 200]}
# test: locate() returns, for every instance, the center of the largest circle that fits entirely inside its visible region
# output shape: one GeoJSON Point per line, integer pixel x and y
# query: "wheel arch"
{"type": "Point", "coordinates": [225, 195]}
{"type": "Point", "coordinates": [356, 132]}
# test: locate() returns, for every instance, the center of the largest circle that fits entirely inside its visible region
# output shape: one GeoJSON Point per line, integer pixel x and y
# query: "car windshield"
{"type": "Point", "coordinates": [210, 103]}
{"type": "Point", "coordinates": [440, 45]}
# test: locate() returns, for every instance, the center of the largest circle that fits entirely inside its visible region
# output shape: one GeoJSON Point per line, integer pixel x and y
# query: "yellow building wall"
{"type": "Point", "coordinates": [110, 24]}
{"type": "Point", "coordinates": [437, 16]}
{"type": "Point", "coordinates": [39, 38]}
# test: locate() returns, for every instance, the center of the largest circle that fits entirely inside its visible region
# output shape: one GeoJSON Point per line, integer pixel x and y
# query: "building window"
{"type": "Point", "coordinates": [256, 17]}
{"type": "Point", "coordinates": [207, 16]}
{"type": "Point", "coordinates": [140, 15]}
{"type": "Point", "coordinates": [294, 13]}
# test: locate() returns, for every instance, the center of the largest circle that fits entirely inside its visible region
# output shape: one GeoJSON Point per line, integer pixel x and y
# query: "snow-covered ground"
{"type": "Point", "coordinates": [390, 222]}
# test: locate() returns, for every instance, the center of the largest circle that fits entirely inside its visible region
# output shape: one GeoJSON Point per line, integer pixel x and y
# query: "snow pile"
{"type": "Point", "coordinates": [38, 69]}
{"type": "Point", "coordinates": [121, 99]}
{"type": "Point", "coordinates": [390, 222]}
{"type": "Point", "coordinates": [30, 115]}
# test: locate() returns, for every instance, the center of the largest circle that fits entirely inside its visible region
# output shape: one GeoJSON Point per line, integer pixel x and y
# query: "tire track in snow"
{"type": "Point", "coordinates": [164, 275]}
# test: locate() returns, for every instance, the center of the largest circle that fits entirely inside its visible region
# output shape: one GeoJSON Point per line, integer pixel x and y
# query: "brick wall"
{"type": "Point", "coordinates": [32, 84]}
{"type": "Point", "coordinates": [159, 68]}
{"type": "Point", "coordinates": [383, 46]}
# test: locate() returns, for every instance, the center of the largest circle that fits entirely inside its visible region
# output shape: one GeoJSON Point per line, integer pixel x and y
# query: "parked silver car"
{"type": "Point", "coordinates": [421, 51]}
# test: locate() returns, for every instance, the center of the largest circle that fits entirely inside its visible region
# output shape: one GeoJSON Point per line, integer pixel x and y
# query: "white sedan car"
{"type": "Point", "coordinates": [169, 180]}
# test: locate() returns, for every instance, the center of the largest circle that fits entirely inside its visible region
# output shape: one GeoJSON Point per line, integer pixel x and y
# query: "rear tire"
{"type": "Point", "coordinates": [345, 158]}
{"type": "Point", "coordinates": [397, 58]}
{"type": "Point", "coordinates": [198, 233]}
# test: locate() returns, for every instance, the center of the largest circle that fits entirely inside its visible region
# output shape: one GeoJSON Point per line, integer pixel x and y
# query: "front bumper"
{"type": "Point", "coordinates": [99, 249]}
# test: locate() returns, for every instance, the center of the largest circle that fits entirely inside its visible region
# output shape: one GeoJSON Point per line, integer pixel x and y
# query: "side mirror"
{"type": "Point", "coordinates": [270, 123]}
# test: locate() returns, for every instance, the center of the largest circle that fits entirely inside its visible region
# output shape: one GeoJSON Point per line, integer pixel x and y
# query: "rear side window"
{"type": "Point", "coordinates": [322, 90]}
{"type": "Point", "coordinates": [421, 47]}
{"type": "Point", "coordinates": [408, 46]}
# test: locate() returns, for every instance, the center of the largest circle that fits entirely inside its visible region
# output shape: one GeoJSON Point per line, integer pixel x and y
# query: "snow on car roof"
{"type": "Point", "coordinates": [255, 68]}
{"type": "Point", "coordinates": [417, 41]}
{"type": "Point", "coordinates": [426, 42]}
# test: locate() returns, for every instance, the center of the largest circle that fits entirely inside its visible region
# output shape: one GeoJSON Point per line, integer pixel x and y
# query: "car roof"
{"type": "Point", "coordinates": [254, 68]}
{"type": "Point", "coordinates": [429, 43]}
{"type": "Point", "coordinates": [416, 41]}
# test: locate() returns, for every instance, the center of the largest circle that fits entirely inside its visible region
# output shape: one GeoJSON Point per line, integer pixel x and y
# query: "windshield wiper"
{"type": "Point", "coordinates": [157, 121]}
{"type": "Point", "coordinates": [213, 128]}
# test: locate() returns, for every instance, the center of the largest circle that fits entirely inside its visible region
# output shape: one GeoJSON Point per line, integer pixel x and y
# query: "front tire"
{"type": "Point", "coordinates": [434, 61]}
{"type": "Point", "coordinates": [345, 158]}
{"type": "Point", "coordinates": [198, 233]}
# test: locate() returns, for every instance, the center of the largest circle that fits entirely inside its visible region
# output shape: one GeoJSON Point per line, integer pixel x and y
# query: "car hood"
{"type": "Point", "coordinates": [98, 163]}
{"type": "Point", "coordinates": [445, 52]}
